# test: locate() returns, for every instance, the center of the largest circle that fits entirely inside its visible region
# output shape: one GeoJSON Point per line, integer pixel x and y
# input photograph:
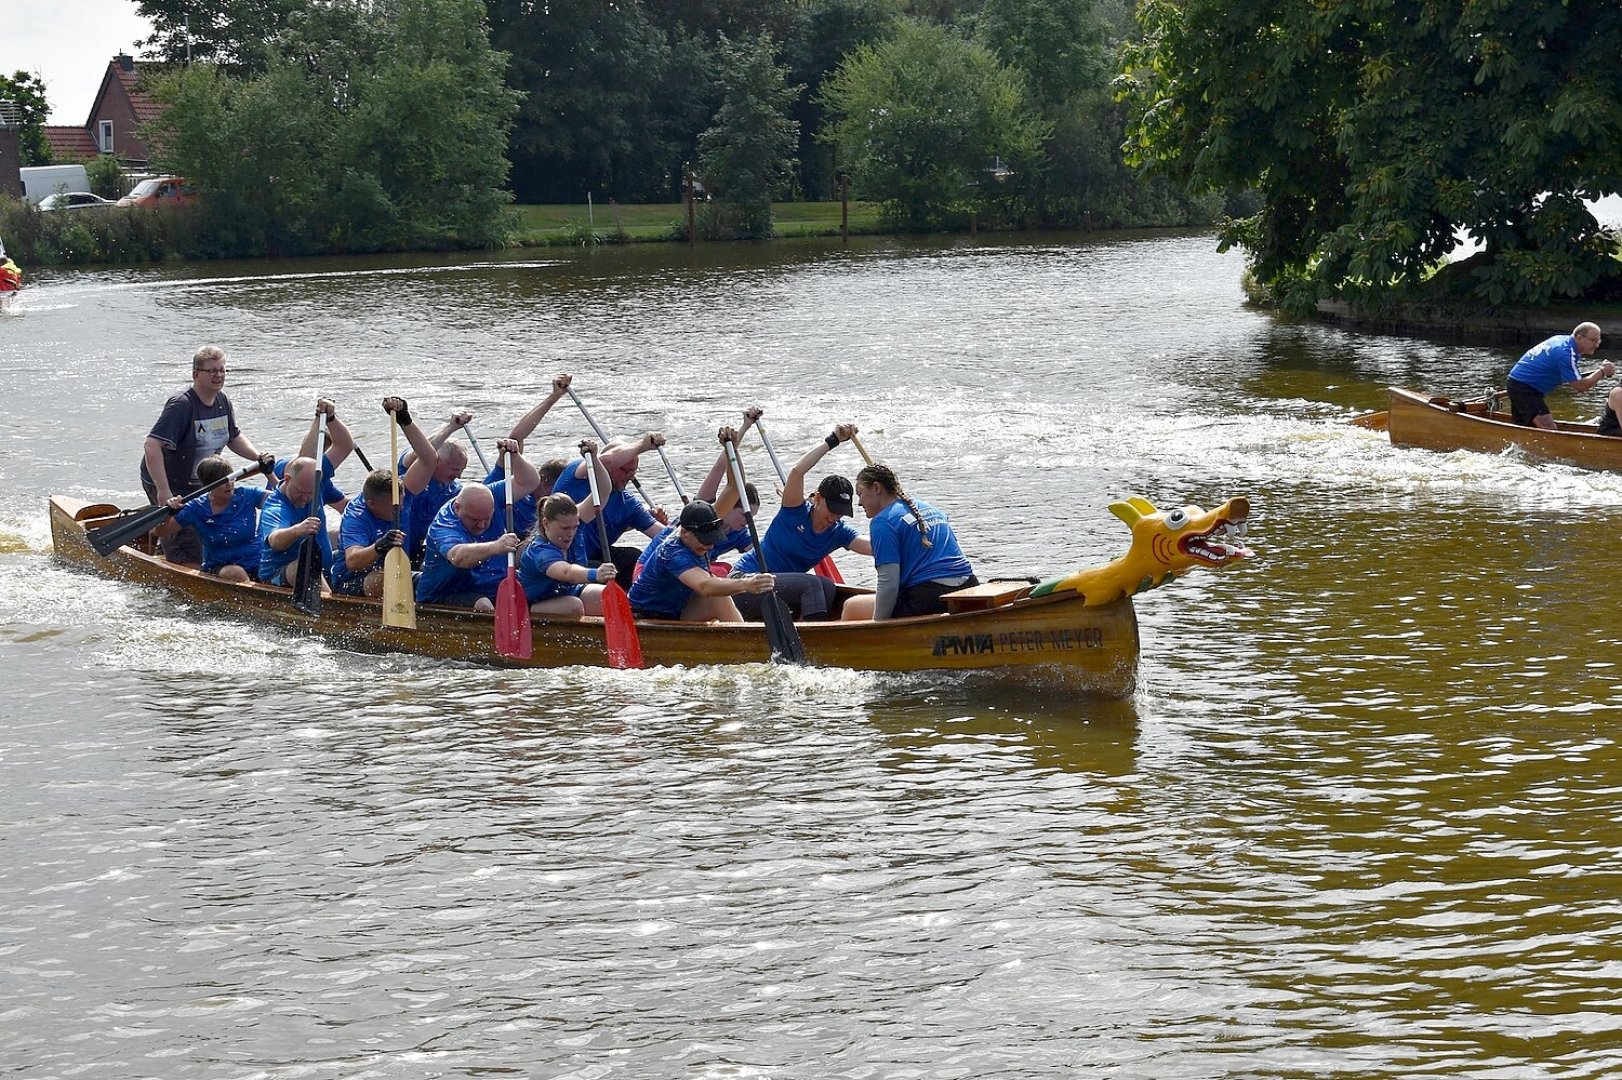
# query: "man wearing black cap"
{"type": "Point", "coordinates": [676, 582]}
{"type": "Point", "coordinates": [802, 533]}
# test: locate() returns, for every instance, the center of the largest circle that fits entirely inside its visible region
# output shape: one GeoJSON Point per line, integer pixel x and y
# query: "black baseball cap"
{"type": "Point", "coordinates": [836, 492]}
{"type": "Point", "coordinates": [698, 517]}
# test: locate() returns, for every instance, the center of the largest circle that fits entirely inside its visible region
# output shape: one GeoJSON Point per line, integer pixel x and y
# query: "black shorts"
{"type": "Point", "coordinates": [924, 598]}
{"type": "Point", "coordinates": [1526, 402]}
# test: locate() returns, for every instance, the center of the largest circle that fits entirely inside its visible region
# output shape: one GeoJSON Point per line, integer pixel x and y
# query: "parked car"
{"type": "Point", "coordinates": [72, 200]}
{"type": "Point", "coordinates": [40, 181]}
{"type": "Point", "coordinates": [161, 191]}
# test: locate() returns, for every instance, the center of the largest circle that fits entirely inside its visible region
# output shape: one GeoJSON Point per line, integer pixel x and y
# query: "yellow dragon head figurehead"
{"type": "Point", "coordinates": [1165, 544]}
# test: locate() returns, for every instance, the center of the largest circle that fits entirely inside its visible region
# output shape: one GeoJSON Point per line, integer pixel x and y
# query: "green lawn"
{"type": "Point", "coordinates": [568, 224]}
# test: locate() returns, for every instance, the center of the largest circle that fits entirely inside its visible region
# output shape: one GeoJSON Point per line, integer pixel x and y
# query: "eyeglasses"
{"type": "Point", "coordinates": [212, 370]}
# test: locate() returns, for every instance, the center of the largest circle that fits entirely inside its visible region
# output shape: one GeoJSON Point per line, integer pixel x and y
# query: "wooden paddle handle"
{"type": "Point", "coordinates": [860, 449]}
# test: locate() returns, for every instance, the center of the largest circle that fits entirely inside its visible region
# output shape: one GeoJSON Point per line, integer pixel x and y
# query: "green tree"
{"type": "Point", "coordinates": [748, 150]}
{"type": "Point", "coordinates": [1375, 132]}
{"type": "Point", "coordinates": [235, 35]}
{"type": "Point", "coordinates": [27, 93]}
{"type": "Point", "coordinates": [390, 137]}
{"type": "Point", "coordinates": [823, 33]}
{"type": "Point", "coordinates": [924, 117]}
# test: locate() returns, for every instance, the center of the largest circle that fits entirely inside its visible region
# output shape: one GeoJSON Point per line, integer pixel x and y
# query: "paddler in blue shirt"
{"type": "Point", "coordinates": [803, 532]}
{"type": "Point", "coordinates": [367, 533]}
{"type": "Point", "coordinates": [286, 519]}
{"type": "Point", "coordinates": [465, 558]}
{"type": "Point", "coordinates": [913, 575]}
{"type": "Point", "coordinates": [419, 507]}
{"type": "Point", "coordinates": [676, 582]}
{"type": "Point", "coordinates": [621, 510]}
{"type": "Point", "coordinates": [1549, 364]}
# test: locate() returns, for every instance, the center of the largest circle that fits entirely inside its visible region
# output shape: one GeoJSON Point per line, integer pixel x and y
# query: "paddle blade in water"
{"type": "Point", "coordinates": [129, 525]}
{"type": "Point", "coordinates": [307, 582]}
{"type": "Point", "coordinates": [512, 619]}
{"type": "Point", "coordinates": [619, 627]}
{"type": "Point", "coordinates": [399, 599]}
{"type": "Point", "coordinates": [827, 569]}
{"type": "Point", "coordinates": [781, 636]}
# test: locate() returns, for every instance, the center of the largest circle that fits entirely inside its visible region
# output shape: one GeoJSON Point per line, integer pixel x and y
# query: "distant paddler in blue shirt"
{"type": "Point", "coordinates": [1549, 364]}
{"type": "Point", "coordinates": [621, 510]}
{"type": "Point", "coordinates": [419, 507]}
{"type": "Point", "coordinates": [915, 552]}
{"type": "Point", "coordinates": [465, 559]}
{"type": "Point", "coordinates": [367, 532]}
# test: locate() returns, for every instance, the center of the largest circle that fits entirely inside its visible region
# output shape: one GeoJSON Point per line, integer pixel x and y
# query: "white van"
{"type": "Point", "coordinates": [42, 180]}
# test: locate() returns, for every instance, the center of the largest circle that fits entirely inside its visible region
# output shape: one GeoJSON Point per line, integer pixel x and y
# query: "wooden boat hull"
{"type": "Point", "coordinates": [1436, 423]}
{"type": "Point", "coordinates": [1053, 638]}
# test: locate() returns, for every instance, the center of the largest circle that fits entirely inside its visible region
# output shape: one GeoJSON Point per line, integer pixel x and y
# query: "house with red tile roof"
{"type": "Point", "coordinates": [119, 110]}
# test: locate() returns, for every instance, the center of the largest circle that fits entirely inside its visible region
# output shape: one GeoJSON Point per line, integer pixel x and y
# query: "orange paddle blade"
{"type": "Point", "coordinates": [512, 619]}
{"type": "Point", "coordinates": [619, 628]}
{"type": "Point", "coordinates": [827, 569]}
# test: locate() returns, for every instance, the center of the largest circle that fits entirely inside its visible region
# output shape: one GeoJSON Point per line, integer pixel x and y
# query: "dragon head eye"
{"type": "Point", "coordinates": [1176, 519]}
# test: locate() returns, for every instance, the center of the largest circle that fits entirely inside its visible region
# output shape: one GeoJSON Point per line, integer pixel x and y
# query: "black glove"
{"type": "Point", "coordinates": [267, 464]}
{"type": "Point", "coordinates": [387, 542]}
{"type": "Point", "coordinates": [402, 414]}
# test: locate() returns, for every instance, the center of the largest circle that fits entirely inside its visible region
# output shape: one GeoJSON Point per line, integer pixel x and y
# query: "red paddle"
{"type": "Point", "coordinates": [619, 624]}
{"type": "Point", "coordinates": [512, 611]}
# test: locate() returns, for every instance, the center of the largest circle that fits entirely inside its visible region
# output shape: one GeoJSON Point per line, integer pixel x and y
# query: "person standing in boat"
{"type": "Point", "coordinates": [196, 423]}
{"type": "Point", "coordinates": [676, 582]}
{"type": "Point", "coordinates": [803, 532]}
{"type": "Point", "coordinates": [915, 552]}
{"type": "Point", "coordinates": [367, 531]}
{"type": "Point", "coordinates": [1549, 364]}
{"type": "Point", "coordinates": [621, 510]}
{"type": "Point", "coordinates": [465, 558]}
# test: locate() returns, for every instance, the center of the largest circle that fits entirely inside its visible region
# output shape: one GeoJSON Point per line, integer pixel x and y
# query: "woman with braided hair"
{"type": "Point", "coordinates": [915, 552]}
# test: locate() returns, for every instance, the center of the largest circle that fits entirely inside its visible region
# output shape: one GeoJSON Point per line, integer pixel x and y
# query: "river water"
{"type": "Point", "coordinates": [1358, 819]}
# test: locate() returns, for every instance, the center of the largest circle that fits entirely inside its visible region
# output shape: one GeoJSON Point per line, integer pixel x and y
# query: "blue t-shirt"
{"type": "Point", "coordinates": [621, 510]}
{"type": "Point", "coordinates": [359, 528]}
{"type": "Point", "coordinates": [895, 539]}
{"type": "Point", "coordinates": [542, 554]}
{"type": "Point", "coordinates": [526, 511]}
{"type": "Point", "coordinates": [440, 578]}
{"type": "Point", "coordinates": [790, 545]}
{"type": "Point", "coordinates": [659, 591]}
{"type": "Point", "coordinates": [278, 513]}
{"type": "Point", "coordinates": [330, 491]}
{"type": "Point", "coordinates": [230, 536]}
{"type": "Point", "coordinates": [417, 511]}
{"type": "Point", "coordinates": [1548, 364]}
{"type": "Point", "coordinates": [736, 540]}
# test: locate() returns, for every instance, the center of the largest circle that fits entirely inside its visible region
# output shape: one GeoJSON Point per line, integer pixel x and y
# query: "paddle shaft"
{"type": "Point", "coordinates": [602, 437]}
{"type": "Point", "coordinates": [477, 452]}
{"type": "Point", "coordinates": [307, 580]}
{"type": "Point", "coordinates": [399, 603]}
{"type": "Point", "coordinates": [367, 465]}
{"type": "Point", "coordinates": [781, 637]}
{"type": "Point", "coordinates": [607, 553]}
{"type": "Point", "coordinates": [109, 538]}
{"type": "Point", "coordinates": [765, 440]}
{"type": "Point", "coordinates": [619, 624]}
{"type": "Point", "coordinates": [671, 472]}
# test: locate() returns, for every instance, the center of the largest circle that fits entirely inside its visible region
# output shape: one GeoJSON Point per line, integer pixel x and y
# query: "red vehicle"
{"type": "Point", "coordinates": [161, 191]}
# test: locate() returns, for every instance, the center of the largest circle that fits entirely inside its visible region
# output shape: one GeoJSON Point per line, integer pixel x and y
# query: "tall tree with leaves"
{"type": "Point", "coordinates": [1376, 132]}
{"type": "Point", "coordinates": [234, 35]}
{"type": "Point", "coordinates": [27, 93]}
{"type": "Point", "coordinates": [924, 117]}
{"type": "Point", "coordinates": [748, 150]}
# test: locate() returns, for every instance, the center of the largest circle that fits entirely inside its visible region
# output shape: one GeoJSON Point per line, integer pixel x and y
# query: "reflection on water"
{"type": "Point", "coordinates": [1356, 819]}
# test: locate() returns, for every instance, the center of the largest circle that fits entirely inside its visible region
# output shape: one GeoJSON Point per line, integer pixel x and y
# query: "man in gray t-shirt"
{"type": "Point", "coordinates": [194, 424]}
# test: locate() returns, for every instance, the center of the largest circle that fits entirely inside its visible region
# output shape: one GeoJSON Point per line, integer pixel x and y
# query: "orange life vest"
{"type": "Point", "coordinates": [11, 278]}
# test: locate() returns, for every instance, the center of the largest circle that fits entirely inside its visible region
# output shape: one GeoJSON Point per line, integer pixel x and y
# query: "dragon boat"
{"type": "Point", "coordinates": [1483, 426]}
{"type": "Point", "coordinates": [1080, 630]}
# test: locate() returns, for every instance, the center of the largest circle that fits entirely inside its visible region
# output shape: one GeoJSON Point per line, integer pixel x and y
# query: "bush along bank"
{"type": "Point", "coordinates": [125, 234]}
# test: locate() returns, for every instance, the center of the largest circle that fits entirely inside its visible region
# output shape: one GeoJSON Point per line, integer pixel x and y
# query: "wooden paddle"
{"type": "Point", "coordinates": [781, 637]}
{"type": "Point", "coordinates": [399, 597]}
{"type": "Point", "coordinates": [512, 609]}
{"type": "Point", "coordinates": [619, 624]}
{"type": "Point", "coordinates": [602, 437]}
{"type": "Point", "coordinates": [131, 524]}
{"type": "Point", "coordinates": [826, 567]}
{"type": "Point", "coordinates": [307, 580]}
